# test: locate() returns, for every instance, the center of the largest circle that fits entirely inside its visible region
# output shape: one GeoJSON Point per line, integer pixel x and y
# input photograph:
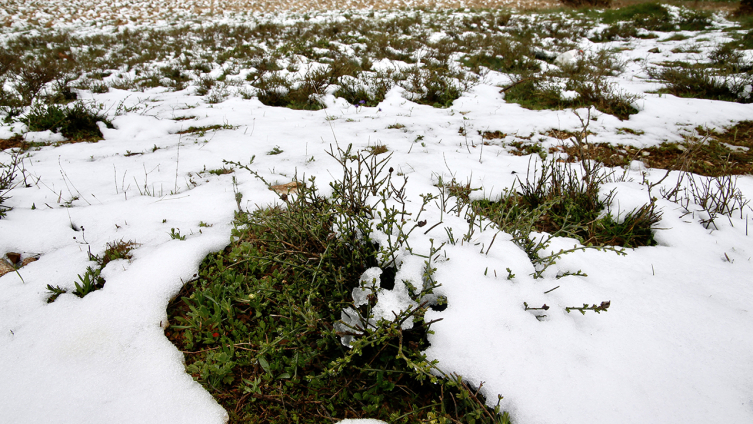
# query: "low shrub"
{"type": "Point", "coordinates": [8, 171]}
{"type": "Point", "coordinates": [273, 329]}
{"type": "Point", "coordinates": [77, 123]}
{"type": "Point", "coordinates": [580, 84]}
{"type": "Point", "coordinates": [705, 83]}
{"type": "Point", "coordinates": [565, 201]}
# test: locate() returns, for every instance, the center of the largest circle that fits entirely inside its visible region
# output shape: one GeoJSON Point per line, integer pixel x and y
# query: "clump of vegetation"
{"type": "Point", "coordinates": [435, 86]}
{"type": "Point", "coordinates": [566, 202]}
{"type": "Point", "coordinates": [579, 84]}
{"type": "Point", "coordinates": [504, 55]}
{"type": "Point", "coordinates": [705, 83]}
{"type": "Point", "coordinates": [367, 88]}
{"type": "Point", "coordinates": [91, 280]}
{"type": "Point", "coordinates": [77, 123]}
{"type": "Point", "coordinates": [653, 16]}
{"type": "Point", "coordinates": [280, 326]}
{"type": "Point", "coordinates": [275, 151]}
{"type": "Point", "coordinates": [7, 175]}
{"type": "Point", "coordinates": [201, 131]}
{"type": "Point", "coordinates": [587, 3]}
{"type": "Point", "coordinates": [521, 148]}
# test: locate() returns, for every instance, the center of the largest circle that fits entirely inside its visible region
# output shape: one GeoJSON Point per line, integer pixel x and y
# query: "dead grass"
{"type": "Point", "coordinates": [708, 152]}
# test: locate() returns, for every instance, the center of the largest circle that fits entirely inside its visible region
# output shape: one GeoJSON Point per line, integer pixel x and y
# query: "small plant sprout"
{"type": "Point", "coordinates": [596, 308]}
{"type": "Point", "coordinates": [275, 151]}
{"type": "Point", "coordinates": [175, 234]}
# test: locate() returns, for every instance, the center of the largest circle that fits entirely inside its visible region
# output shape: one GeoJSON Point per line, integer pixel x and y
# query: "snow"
{"type": "Point", "coordinates": [676, 345]}
{"type": "Point", "coordinates": [43, 136]}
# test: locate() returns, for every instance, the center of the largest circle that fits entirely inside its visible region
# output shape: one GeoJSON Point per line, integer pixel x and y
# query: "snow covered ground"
{"type": "Point", "coordinates": [676, 345]}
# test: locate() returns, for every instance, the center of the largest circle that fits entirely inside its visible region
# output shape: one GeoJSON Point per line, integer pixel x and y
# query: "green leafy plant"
{"type": "Point", "coordinates": [705, 83]}
{"type": "Point", "coordinates": [562, 200]}
{"type": "Point", "coordinates": [175, 235]}
{"type": "Point", "coordinates": [77, 122]}
{"type": "Point", "coordinates": [54, 292]}
{"type": "Point", "coordinates": [284, 313]}
{"type": "Point", "coordinates": [90, 282]}
{"type": "Point", "coordinates": [579, 84]}
{"type": "Point", "coordinates": [275, 151]}
{"type": "Point", "coordinates": [596, 308]}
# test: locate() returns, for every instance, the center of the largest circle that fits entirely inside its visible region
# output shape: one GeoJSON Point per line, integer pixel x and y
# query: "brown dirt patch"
{"type": "Point", "coordinates": [709, 153]}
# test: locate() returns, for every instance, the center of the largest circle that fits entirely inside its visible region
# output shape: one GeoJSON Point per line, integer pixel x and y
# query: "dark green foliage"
{"type": "Point", "coordinates": [55, 292]}
{"type": "Point", "coordinates": [564, 202]}
{"type": "Point", "coordinates": [704, 83]}
{"type": "Point", "coordinates": [366, 88]}
{"type": "Point", "coordinates": [504, 55]}
{"type": "Point", "coordinates": [586, 77]}
{"type": "Point", "coordinates": [437, 87]}
{"type": "Point", "coordinates": [587, 3]}
{"type": "Point", "coordinates": [654, 17]}
{"type": "Point", "coordinates": [625, 22]}
{"type": "Point", "coordinates": [260, 322]}
{"type": "Point", "coordinates": [44, 117]}
{"type": "Point", "coordinates": [77, 122]}
{"type": "Point", "coordinates": [113, 251]}
{"type": "Point", "coordinates": [92, 280]}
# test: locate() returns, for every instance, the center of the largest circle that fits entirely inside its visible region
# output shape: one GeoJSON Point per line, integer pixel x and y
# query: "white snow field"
{"type": "Point", "coordinates": [675, 346]}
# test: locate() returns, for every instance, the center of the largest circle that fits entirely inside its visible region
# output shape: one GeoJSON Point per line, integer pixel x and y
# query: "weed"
{"type": "Point", "coordinates": [580, 84]}
{"type": "Point", "coordinates": [175, 235]}
{"type": "Point", "coordinates": [367, 89]}
{"type": "Point", "coordinates": [77, 123]}
{"type": "Point", "coordinates": [492, 135]}
{"type": "Point", "coordinates": [90, 282]}
{"type": "Point", "coordinates": [92, 279]}
{"type": "Point", "coordinates": [202, 131]}
{"type": "Point", "coordinates": [435, 86]}
{"type": "Point", "coordinates": [113, 251]}
{"type": "Point", "coordinates": [521, 149]}
{"type": "Point", "coordinates": [204, 84]}
{"type": "Point", "coordinates": [62, 92]}
{"type": "Point", "coordinates": [32, 77]}
{"type": "Point", "coordinates": [221, 171]}
{"type": "Point", "coordinates": [283, 313]}
{"type": "Point", "coordinates": [99, 87]}
{"type": "Point", "coordinates": [504, 55]}
{"type": "Point", "coordinates": [564, 202]}
{"type": "Point", "coordinates": [378, 149]}
{"type": "Point", "coordinates": [714, 195]}
{"type": "Point", "coordinates": [55, 292]}
{"type": "Point", "coordinates": [7, 175]}
{"type": "Point", "coordinates": [705, 83]}
{"type": "Point", "coordinates": [275, 151]}
{"type": "Point", "coordinates": [596, 308]}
